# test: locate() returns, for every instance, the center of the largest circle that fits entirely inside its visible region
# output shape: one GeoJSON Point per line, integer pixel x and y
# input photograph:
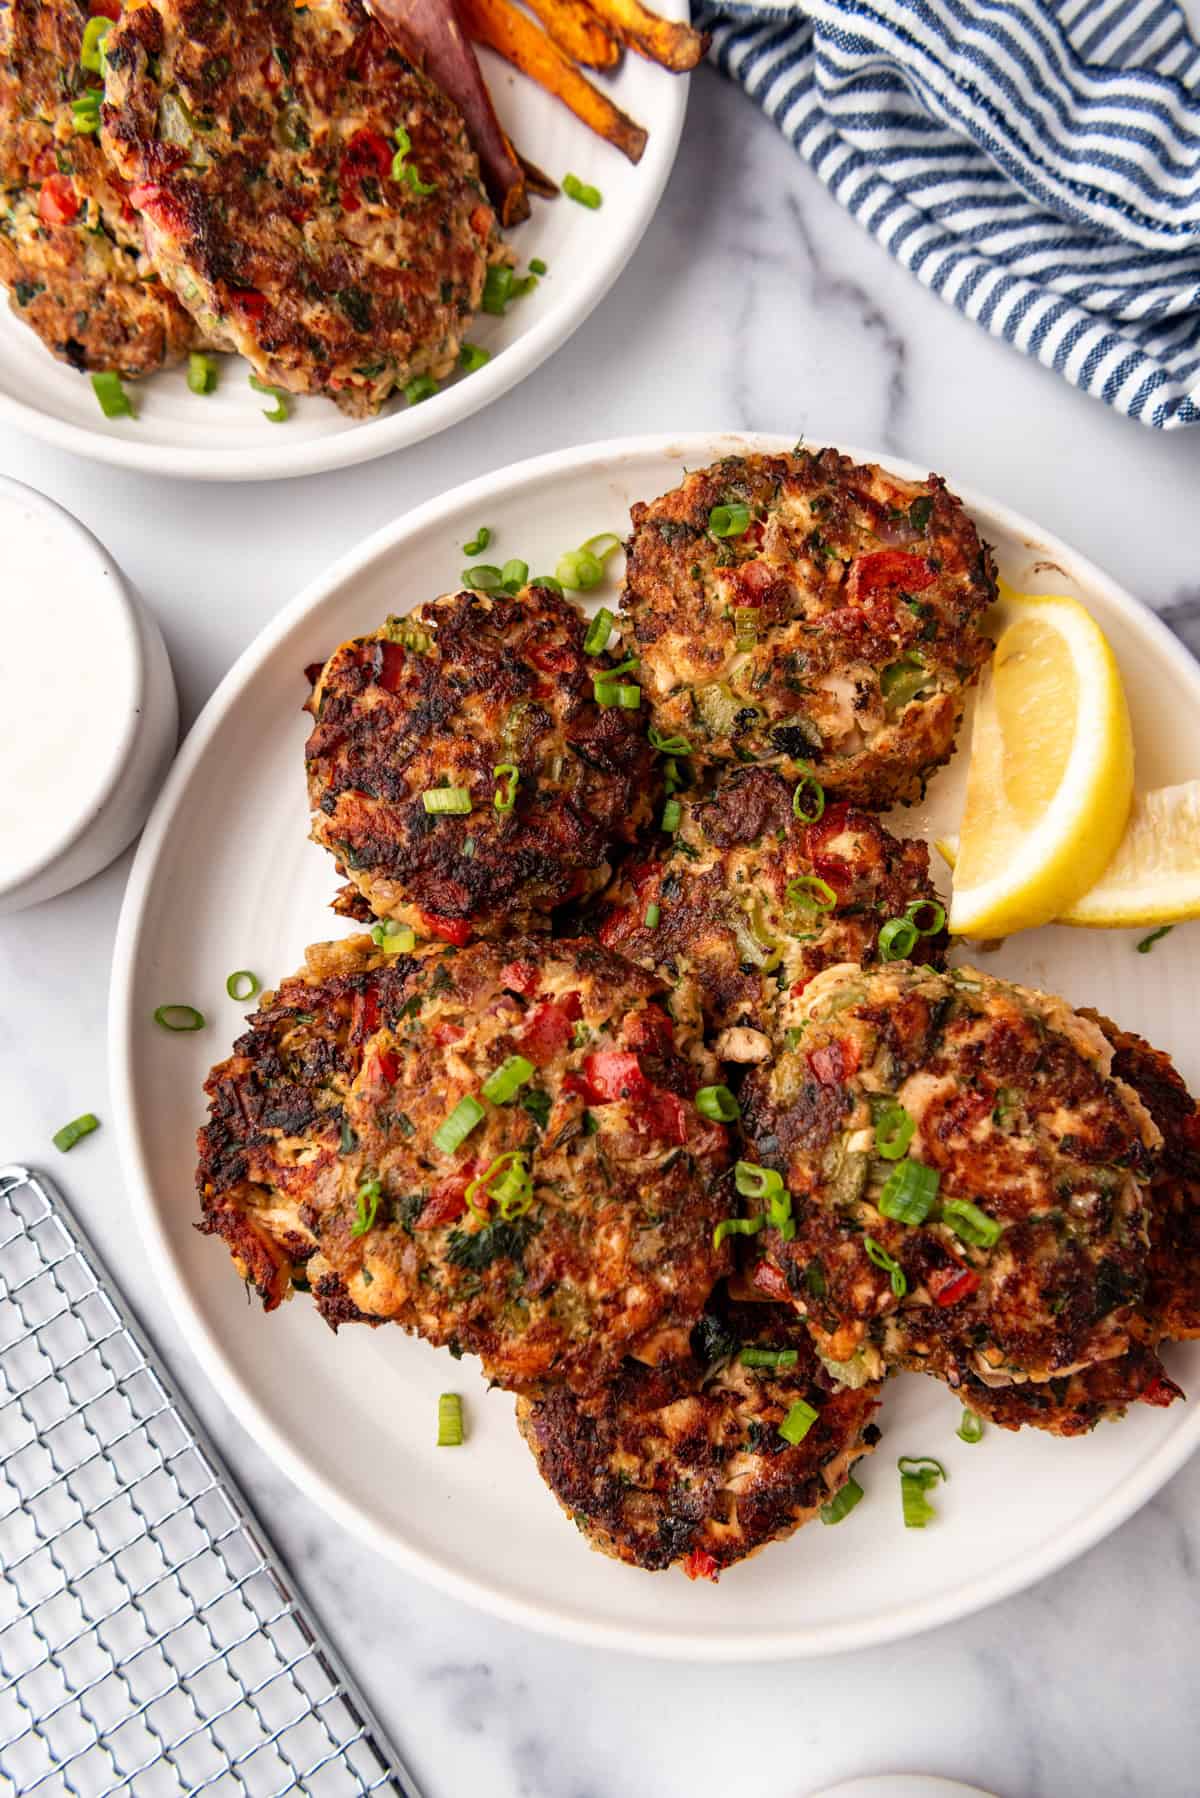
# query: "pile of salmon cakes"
{"type": "Point", "coordinates": [649, 1083]}
{"type": "Point", "coordinates": [274, 179]}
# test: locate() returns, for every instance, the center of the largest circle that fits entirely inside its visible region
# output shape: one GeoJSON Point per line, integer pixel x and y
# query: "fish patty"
{"type": "Point", "coordinates": [750, 902]}
{"type": "Point", "coordinates": [71, 249]}
{"type": "Point", "coordinates": [309, 196]}
{"type": "Point", "coordinates": [1073, 1406]}
{"type": "Point", "coordinates": [492, 695]}
{"type": "Point", "coordinates": [837, 630]}
{"type": "Point", "coordinates": [684, 1465]}
{"type": "Point", "coordinates": [550, 1225]}
{"type": "Point", "coordinates": [1023, 1256]}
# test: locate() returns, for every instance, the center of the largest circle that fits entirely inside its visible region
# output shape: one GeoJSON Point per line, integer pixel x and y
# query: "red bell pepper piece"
{"type": "Point", "coordinates": [520, 977]}
{"type": "Point", "coordinates": [547, 1029]}
{"type": "Point", "coordinates": [951, 1285]}
{"type": "Point", "coordinates": [614, 1074]}
{"type": "Point", "coordinates": [701, 1565]}
{"type": "Point", "coordinates": [885, 572]}
{"type": "Point", "coordinates": [451, 930]}
{"type": "Point", "coordinates": [58, 203]}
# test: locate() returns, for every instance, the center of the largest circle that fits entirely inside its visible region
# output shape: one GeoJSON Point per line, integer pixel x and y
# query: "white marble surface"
{"type": "Point", "coordinates": [752, 303]}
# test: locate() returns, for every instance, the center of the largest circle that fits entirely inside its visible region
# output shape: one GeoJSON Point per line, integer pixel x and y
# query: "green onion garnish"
{"type": "Point", "coordinates": [508, 1182]}
{"type": "Point", "coordinates": [729, 521]}
{"type": "Point", "coordinates": [878, 1255]}
{"type": "Point", "coordinates": [1147, 943]}
{"type": "Point", "coordinates": [179, 1017]}
{"type": "Point", "coordinates": [970, 1223]}
{"type": "Point", "coordinates": [745, 628]}
{"type": "Point", "coordinates": [621, 693]}
{"type": "Point", "coordinates": [579, 570]}
{"type": "Point", "coordinates": [893, 1130]}
{"type": "Point", "coordinates": [243, 985]}
{"type": "Point", "coordinates": [798, 1422]}
{"type": "Point", "coordinates": [91, 51]}
{"type": "Point", "coordinates": [909, 1192]}
{"type": "Point", "coordinates": [75, 1131]}
{"type": "Point", "coordinates": [548, 582]}
{"type": "Point", "coordinates": [598, 632]}
{"type": "Point", "coordinates": [281, 409]}
{"type": "Point", "coordinates": [114, 401]}
{"type": "Point", "coordinates": [393, 938]}
{"type": "Point", "coordinates": [653, 914]}
{"type": "Point", "coordinates": [472, 357]}
{"type": "Point", "coordinates": [736, 1226]}
{"type": "Point", "coordinates": [479, 542]}
{"type": "Point", "coordinates": [971, 1427]}
{"type": "Point", "coordinates": [403, 170]}
{"type": "Point", "coordinates": [455, 1129]}
{"type": "Point", "coordinates": [897, 939]}
{"type": "Point", "coordinates": [717, 1104]}
{"type": "Point", "coordinates": [937, 916]}
{"type": "Point", "coordinates": [842, 1503]}
{"type": "Point", "coordinates": [672, 816]}
{"type": "Point", "coordinates": [509, 777]}
{"type": "Point", "coordinates": [811, 893]}
{"type": "Point", "coordinates": [808, 800]}
{"type": "Point", "coordinates": [761, 1357]}
{"type": "Point", "coordinates": [484, 577]}
{"type": "Point", "coordinates": [754, 1182]}
{"type": "Point", "coordinates": [367, 1196]}
{"type": "Point", "coordinates": [668, 745]}
{"type": "Point", "coordinates": [581, 192]}
{"type": "Point", "coordinates": [421, 387]}
{"type": "Point", "coordinates": [202, 374]}
{"type": "Point", "coordinates": [537, 266]}
{"type": "Point", "coordinates": [450, 1421]}
{"type": "Point", "coordinates": [918, 1473]}
{"type": "Point", "coordinates": [603, 545]}
{"type": "Point", "coordinates": [497, 289]}
{"type": "Point", "coordinates": [502, 1086]}
{"type": "Point", "coordinates": [85, 112]}
{"type": "Point", "coordinates": [446, 799]}
{"type": "Point", "coordinates": [514, 574]}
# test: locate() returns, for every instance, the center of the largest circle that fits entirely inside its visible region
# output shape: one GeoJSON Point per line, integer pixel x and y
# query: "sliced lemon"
{"type": "Point", "coordinates": [1154, 878]}
{"type": "Point", "coordinates": [1050, 781]}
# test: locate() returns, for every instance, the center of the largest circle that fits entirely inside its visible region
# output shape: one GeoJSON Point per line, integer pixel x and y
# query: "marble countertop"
{"type": "Point", "coordinates": [752, 303]}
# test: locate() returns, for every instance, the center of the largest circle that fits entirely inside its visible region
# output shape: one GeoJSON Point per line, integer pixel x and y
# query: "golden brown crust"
{"type": "Point", "coordinates": [1075, 1405]}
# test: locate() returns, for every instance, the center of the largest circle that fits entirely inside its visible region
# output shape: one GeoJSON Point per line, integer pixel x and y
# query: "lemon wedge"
{"type": "Point", "coordinates": [1050, 781]}
{"type": "Point", "coordinates": [1154, 878]}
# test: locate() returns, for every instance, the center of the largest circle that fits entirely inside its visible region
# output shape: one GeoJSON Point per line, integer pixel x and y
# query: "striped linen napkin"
{"type": "Point", "coordinates": [1035, 162]}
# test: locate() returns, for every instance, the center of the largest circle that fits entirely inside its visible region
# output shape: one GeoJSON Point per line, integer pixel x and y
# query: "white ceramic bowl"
{"type": "Point", "coordinates": [88, 713]}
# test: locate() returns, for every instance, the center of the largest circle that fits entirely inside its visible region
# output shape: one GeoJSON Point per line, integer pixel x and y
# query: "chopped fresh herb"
{"type": "Point", "coordinates": [909, 1192]}
{"type": "Point", "coordinates": [920, 512]}
{"type": "Point", "coordinates": [455, 1129]}
{"type": "Point", "coordinates": [537, 1104]}
{"type": "Point", "coordinates": [970, 1223]}
{"type": "Point", "coordinates": [717, 1104]}
{"type": "Point", "coordinates": [479, 542]}
{"type": "Point", "coordinates": [808, 799]}
{"type": "Point", "coordinates": [367, 1197]}
{"type": "Point", "coordinates": [762, 1357]}
{"type": "Point", "coordinates": [1147, 943]}
{"type": "Point", "coordinates": [452, 800]}
{"type": "Point", "coordinates": [598, 632]}
{"type": "Point", "coordinates": [841, 1505]}
{"type": "Point", "coordinates": [202, 374]}
{"type": "Point", "coordinates": [971, 1427]}
{"type": "Point", "coordinates": [243, 985]}
{"type": "Point", "coordinates": [918, 1474]}
{"type": "Point", "coordinates": [179, 1017]}
{"type": "Point", "coordinates": [798, 1422]}
{"type": "Point", "coordinates": [729, 521]}
{"type": "Point", "coordinates": [537, 266]}
{"type": "Point", "coordinates": [508, 775]}
{"type": "Point", "coordinates": [894, 1129]}
{"type": "Point", "coordinates": [66, 1138]}
{"type": "Point", "coordinates": [502, 1086]}
{"type": "Point", "coordinates": [897, 939]}
{"type": "Point", "coordinates": [471, 357]}
{"type": "Point", "coordinates": [501, 1240]}
{"type": "Point", "coordinates": [878, 1255]}
{"type": "Point", "coordinates": [281, 410]}
{"type": "Point", "coordinates": [736, 1226]}
{"type": "Point", "coordinates": [581, 192]}
{"type": "Point", "coordinates": [114, 401]}
{"type": "Point", "coordinates": [450, 1420]}
{"type": "Point", "coordinates": [421, 387]}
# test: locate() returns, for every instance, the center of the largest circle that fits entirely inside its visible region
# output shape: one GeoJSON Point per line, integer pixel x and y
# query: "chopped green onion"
{"type": "Point", "coordinates": [548, 582]}
{"type": "Point", "coordinates": [455, 1129]}
{"type": "Point", "coordinates": [450, 1421]}
{"type": "Point", "coordinates": [75, 1131]}
{"type": "Point", "coordinates": [393, 938]}
{"type": "Point", "coordinates": [729, 521]}
{"type": "Point", "coordinates": [754, 1182]}
{"type": "Point", "coordinates": [971, 1427]}
{"type": "Point", "coordinates": [472, 357]}
{"type": "Point", "coordinates": [508, 1182]}
{"type": "Point", "coordinates": [91, 51]}
{"type": "Point", "coordinates": [85, 112]}
{"type": "Point", "coordinates": [579, 570]}
{"type": "Point", "coordinates": [446, 799]}
{"type": "Point", "coordinates": [514, 574]}
{"type": "Point", "coordinates": [736, 1226]}
{"type": "Point", "coordinates": [281, 409]}
{"type": "Point", "coordinates": [843, 1502]}
{"type": "Point", "coordinates": [537, 266]}
{"type": "Point", "coordinates": [924, 1468]}
{"type": "Point", "coordinates": [808, 800]}
{"type": "Point", "coordinates": [938, 912]}
{"type": "Point", "coordinates": [368, 1196]}
{"type": "Point", "coordinates": [509, 777]}
{"type": "Point", "coordinates": [243, 985]}
{"type": "Point", "coordinates": [479, 542]}
{"type": "Point", "coordinates": [970, 1223]}
{"type": "Point", "coordinates": [811, 893]}
{"type": "Point", "coordinates": [598, 632]}
{"type": "Point", "coordinates": [675, 745]}
{"type": "Point", "coordinates": [894, 1130]}
{"type": "Point", "coordinates": [672, 816]}
{"type": "Point", "coordinates": [897, 939]}
{"type": "Point", "coordinates": [760, 1357]}
{"type": "Point", "coordinates": [421, 387]}
{"type": "Point", "coordinates": [402, 170]}
{"type": "Point", "coordinates": [798, 1422]}
{"type": "Point", "coordinates": [902, 681]}
{"type": "Point", "coordinates": [202, 374]}
{"type": "Point", "coordinates": [620, 693]}
{"type": "Point", "coordinates": [497, 289]}
{"type": "Point", "coordinates": [179, 1017]}
{"type": "Point", "coordinates": [581, 192]}
{"type": "Point", "coordinates": [502, 1086]}
{"type": "Point", "coordinates": [484, 577]}
{"type": "Point", "coordinates": [653, 914]}
{"type": "Point", "coordinates": [745, 628]}
{"type": "Point", "coordinates": [878, 1255]}
{"type": "Point", "coordinates": [909, 1192]}
{"type": "Point", "coordinates": [918, 1473]}
{"type": "Point", "coordinates": [717, 1104]}
{"type": "Point", "coordinates": [1147, 943]}
{"type": "Point", "coordinates": [114, 401]}
{"type": "Point", "coordinates": [602, 546]}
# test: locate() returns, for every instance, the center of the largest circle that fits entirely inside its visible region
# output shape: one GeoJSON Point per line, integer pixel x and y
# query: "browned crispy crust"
{"type": "Point", "coordinates": [466, 684]}
{"type": "Point", "coordinates": [725, 919]}
{"type": "Point", "coordinates": [281, 224]}
{"type": "Point", "coordinates": [1073, 1406]}
{"type": "Point", "coordinates": [683, 1465]}
{"type": "Point", "coordinates": [843, 573]}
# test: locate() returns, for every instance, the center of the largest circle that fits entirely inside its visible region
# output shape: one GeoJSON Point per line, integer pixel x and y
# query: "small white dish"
{"type": "Point", "coordinates": [88, 713]}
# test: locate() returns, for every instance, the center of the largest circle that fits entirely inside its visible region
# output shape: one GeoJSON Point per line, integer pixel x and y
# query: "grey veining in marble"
{"type": "Point", "coordinates": [752, 302]}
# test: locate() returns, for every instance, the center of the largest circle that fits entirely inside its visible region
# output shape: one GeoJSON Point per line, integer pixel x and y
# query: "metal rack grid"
{"type": "Point", "coordinates": [151, 1643]}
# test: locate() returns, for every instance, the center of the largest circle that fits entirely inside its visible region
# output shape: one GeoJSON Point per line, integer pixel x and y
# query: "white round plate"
{"type": "Point", "coordinates": [225, 878]}
{"type": "Point", "coordinates": [903, 1785]}
{"type": "Point", "coordinates": [224, 436]}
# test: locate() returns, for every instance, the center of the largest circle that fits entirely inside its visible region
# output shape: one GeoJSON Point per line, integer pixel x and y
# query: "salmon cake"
{"type": "Point", "coordinates": [1074, 1406]}
{"type": "Point", "coordinates": [949, 1176]}
{"type": "Point", "coordinates": [308, 195]}
{"type": "Point", "coordinates": [749, 899]}
{"type": "Point", "coordinates": [71, 249]}
{"type": "Point", "coordinates": [700, 1463]}
{"type": "Point", "coordinates": [808, 612]}
{"type": "Point", "coordinates": [462, 771]}
{"type": "Point", "coordinates": [527, 1176]}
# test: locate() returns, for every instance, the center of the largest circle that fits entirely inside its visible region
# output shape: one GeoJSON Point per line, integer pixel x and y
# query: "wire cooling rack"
{"type": "Point", "coordinates": [151, 1643]}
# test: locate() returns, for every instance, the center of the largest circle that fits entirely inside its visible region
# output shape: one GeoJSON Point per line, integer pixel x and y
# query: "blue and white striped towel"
{"type": "Point", "coordinates": [1035, 162]}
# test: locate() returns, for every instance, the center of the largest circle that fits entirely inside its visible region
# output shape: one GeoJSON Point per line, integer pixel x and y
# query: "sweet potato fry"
{"type": "Point", "coordinates": [431, 34]}
{"type": "Point", "coordinates": [666, 41]}
{"type": "Point", "coordinates": [499, 25]}
{"type": "Point", "coordinates": [578, 32]}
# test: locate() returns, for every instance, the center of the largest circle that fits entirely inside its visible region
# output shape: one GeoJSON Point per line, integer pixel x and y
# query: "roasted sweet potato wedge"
{"type": "Point", "coordinates": [578, 32]}
{"type": "Point", "coordinates": [666, 41]}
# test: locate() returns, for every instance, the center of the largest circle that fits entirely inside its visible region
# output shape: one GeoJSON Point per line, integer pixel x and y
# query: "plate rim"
{"type": "Point", "coordinates": [410, 425]}
{"type": "Point", "coordinates": [694, 448]}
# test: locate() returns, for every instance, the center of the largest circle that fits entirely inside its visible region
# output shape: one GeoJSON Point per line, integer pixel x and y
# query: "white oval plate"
{"type": "Point", "coordinates": [224, 436]}
{"type": "Point", "coordinates": [226, 878]}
